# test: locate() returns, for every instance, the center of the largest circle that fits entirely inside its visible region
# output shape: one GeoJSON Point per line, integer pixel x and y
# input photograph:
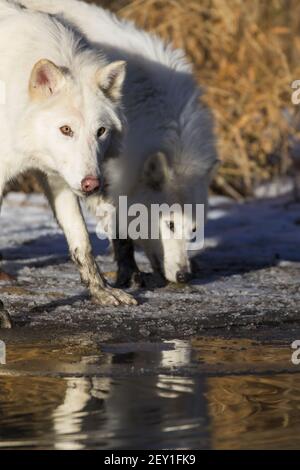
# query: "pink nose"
{"type": "Point", "coordinates": [90, 184]}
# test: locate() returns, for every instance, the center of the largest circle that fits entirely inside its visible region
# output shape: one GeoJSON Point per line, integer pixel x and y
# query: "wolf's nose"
{"type": "Point", "coordinates": [183, 277]}
{"type": "Point", "coordinates": [90, 184]}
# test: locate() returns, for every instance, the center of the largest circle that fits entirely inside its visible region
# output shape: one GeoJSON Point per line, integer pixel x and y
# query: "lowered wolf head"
{"type": "Point", "coordinates": [183, 203]}
{"type": "Point", "coordinates": [72, 120]}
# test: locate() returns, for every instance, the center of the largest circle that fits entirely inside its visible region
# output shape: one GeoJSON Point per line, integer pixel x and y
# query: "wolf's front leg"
{"type": "Point", "coordinates": [128, 271]}
{"type": "Point", "coordinates": [69, 216]}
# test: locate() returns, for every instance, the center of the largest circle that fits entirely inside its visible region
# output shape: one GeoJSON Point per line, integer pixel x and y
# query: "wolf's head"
{"type": "Point", "coordinates": [180, 220]}
{"type": "Point", "coordinates": [71, 120]}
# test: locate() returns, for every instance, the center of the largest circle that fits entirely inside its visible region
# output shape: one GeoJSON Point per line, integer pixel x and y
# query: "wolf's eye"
{"type": "Point", "coordinates": [194, 230]}
{"type": "Point", "coordinates": [171, 226]}
{"type": "Point", "coordinates": [67, 130]}
{"type": "Point", "coordinates": [101, 131]}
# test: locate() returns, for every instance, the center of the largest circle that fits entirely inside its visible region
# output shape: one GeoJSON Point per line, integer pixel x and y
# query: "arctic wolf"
{"type": "Point", "coordinates": [60, 115]}
{"type": "Point", "coordinates": [169, 153]}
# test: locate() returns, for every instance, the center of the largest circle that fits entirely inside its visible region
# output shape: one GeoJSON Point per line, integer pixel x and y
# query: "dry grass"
{"type": "Point", "coordinates": [246, 54]}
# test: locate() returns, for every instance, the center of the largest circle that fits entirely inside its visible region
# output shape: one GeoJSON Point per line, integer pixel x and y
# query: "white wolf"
{"type": "Point", "coordinates": [60, 115]}
{"type": "Point", "coordinates": [169, 154]}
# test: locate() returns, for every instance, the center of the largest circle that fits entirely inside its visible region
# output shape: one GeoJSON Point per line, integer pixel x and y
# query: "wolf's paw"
{"type": "Point", "coordinates": [128, 278]}
{"type": "Point", "coordinates": [115, 297]}
{"type": "Point", "coordinates": [139, 279]}
{"type": "Point", "coordinates": [152, 280]}
{"type": "Point", "coordinates": [5, 320]}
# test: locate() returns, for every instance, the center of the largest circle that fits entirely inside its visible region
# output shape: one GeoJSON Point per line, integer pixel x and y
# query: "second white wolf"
{"type": "Point", "coordinates": [169, 154]}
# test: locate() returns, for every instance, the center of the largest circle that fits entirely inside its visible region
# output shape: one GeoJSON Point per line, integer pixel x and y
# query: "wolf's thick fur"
{"type": "Point", "coordinates": [59, 91]}
{"type": "Point", "coordinates": [170, 150]}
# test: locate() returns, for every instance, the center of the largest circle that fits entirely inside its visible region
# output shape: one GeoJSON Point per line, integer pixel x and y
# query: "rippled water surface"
{"type": "Point", "coordinates": [206, 393]}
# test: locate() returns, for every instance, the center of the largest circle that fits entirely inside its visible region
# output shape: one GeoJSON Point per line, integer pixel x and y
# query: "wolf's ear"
{"type": "Point", "coordinates": [46, 79]}
{"type": "Point", "coordinates": [156, 171]}
{"type": "Point", "coordinates": [111, 78]}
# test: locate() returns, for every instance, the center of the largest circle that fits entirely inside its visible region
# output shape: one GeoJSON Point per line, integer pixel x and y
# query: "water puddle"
{"type": "Point", "coordinates": [205, 393]}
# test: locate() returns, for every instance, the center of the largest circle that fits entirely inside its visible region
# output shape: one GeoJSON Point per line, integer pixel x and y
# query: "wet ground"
{"type": "Point", "coordinates": [206, 366]}
{"type": "Point", "coordinates": [209, 392]}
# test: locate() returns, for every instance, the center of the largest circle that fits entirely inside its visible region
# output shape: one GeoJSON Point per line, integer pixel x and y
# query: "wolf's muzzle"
{"type": "Point", "coordinates": [90, 184]}
{"type": "Point", "coordinates": [183, 277]}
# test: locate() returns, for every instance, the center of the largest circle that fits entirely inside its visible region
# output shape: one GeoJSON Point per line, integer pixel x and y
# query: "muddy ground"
{"type": "Point", "coordinates": [248, 277]}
